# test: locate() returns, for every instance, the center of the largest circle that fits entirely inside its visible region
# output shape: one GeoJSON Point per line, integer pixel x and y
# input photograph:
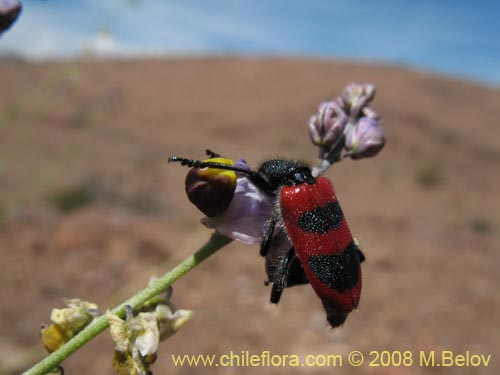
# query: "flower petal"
{"type": "Point", "coordinates": [245, 218]}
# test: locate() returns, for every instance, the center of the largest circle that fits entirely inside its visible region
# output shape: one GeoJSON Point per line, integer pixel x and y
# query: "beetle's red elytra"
{"type": "Point", "coordinates": [323, 242]}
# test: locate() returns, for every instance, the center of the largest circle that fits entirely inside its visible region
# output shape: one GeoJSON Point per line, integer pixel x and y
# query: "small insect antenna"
{"type": "Point", "coordinates": [255, 177]}
{"type": "Point", "coordinates": [192, 163]}
{"type": "Point", "coordinates": [211, 154]}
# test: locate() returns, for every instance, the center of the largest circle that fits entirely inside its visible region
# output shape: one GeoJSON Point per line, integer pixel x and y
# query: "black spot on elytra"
{"type": "Point", "coordinates": [338, 271]}
{"type": "Point", "coordinates": [322, 219]}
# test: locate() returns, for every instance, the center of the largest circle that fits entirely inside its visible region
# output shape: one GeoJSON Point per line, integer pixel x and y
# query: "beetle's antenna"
{"type": "Point", "coordinates": [255, 177]}
{"type": "Point", "coordinates": [211, 154]}
{"type": "Point", "coordinates": [191, 163]}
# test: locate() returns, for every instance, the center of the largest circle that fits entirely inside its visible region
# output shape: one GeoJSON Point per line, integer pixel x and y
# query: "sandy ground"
{"type": "Point", "coordinates": [88, 206]}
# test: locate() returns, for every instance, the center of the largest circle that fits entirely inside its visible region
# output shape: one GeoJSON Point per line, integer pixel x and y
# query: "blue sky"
{"type": "Point", "coordinates": [454, 37]}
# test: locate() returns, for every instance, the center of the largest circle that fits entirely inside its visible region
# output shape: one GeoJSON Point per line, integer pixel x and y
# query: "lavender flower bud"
{"type": "Point", "coordinates": [9, 11]}
{"type": "Point", "coordinates": [341, 103]}
{"type": "Point", "coordinates": [371, 113]}
{"type": "Point", "coordinates": [356, 96]}
{"type": "Point", "coordinates": [327, 126]}
{"type": "Point", "coordinates": [365, 139]}
{"type": "Point", "coordinates": [211, 190]}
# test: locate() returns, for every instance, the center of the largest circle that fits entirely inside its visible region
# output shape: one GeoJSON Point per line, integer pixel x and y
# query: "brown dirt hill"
{"type": "Point", "coordinates": [88, 204]}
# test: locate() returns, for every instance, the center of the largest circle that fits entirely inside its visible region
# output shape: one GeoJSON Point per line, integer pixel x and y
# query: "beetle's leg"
{"type": "Point", "coordinates": [268, 236]}
{"type": "Point", "coordinates": [289, 272]}
{"type": "Point", "coordinates": [211, 154]}
{"type": "Point", "coordinates": [280, 276]}
{"type": "Point", "coordinates": [296, 274]}
{"type": "Point", "coordinates": [361, 256]}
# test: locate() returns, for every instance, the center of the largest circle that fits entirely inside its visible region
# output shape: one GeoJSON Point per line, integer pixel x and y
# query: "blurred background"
{"type": "Point", "coordinates": [94, 96]}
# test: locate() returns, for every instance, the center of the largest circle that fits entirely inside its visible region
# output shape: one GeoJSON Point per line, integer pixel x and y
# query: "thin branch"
{"type": "Point", "coordinates": [99, 324]}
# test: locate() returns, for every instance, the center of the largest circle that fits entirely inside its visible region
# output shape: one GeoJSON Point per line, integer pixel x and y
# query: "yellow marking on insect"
{"type": "Point", "coordinates": [215, 172]}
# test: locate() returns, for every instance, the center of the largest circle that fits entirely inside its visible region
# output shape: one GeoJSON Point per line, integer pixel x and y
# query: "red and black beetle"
{"type": "Point", "coordinates": [323, 251]}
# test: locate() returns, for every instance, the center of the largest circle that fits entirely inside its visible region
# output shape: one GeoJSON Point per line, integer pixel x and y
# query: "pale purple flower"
{"type": "Point", "coordinates": [327, 125]}
{"type": "Point", "coordinates": [371, 113]}
{"type": "Point", "coordinates": [233, 205]}
{"type": "Point", "coordinates": [365, 139]}
{"type": "Point", "coordinates": [245, 218]}
{"type": "Point", "coordinates": [356, 96]}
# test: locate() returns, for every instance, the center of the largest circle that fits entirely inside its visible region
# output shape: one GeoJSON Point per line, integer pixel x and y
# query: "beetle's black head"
{"type": "Point", "coordinates": [278, 172]}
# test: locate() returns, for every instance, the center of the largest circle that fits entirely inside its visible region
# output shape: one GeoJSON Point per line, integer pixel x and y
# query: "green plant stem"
{"type": "Point", "coordinates": [99, 324]}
